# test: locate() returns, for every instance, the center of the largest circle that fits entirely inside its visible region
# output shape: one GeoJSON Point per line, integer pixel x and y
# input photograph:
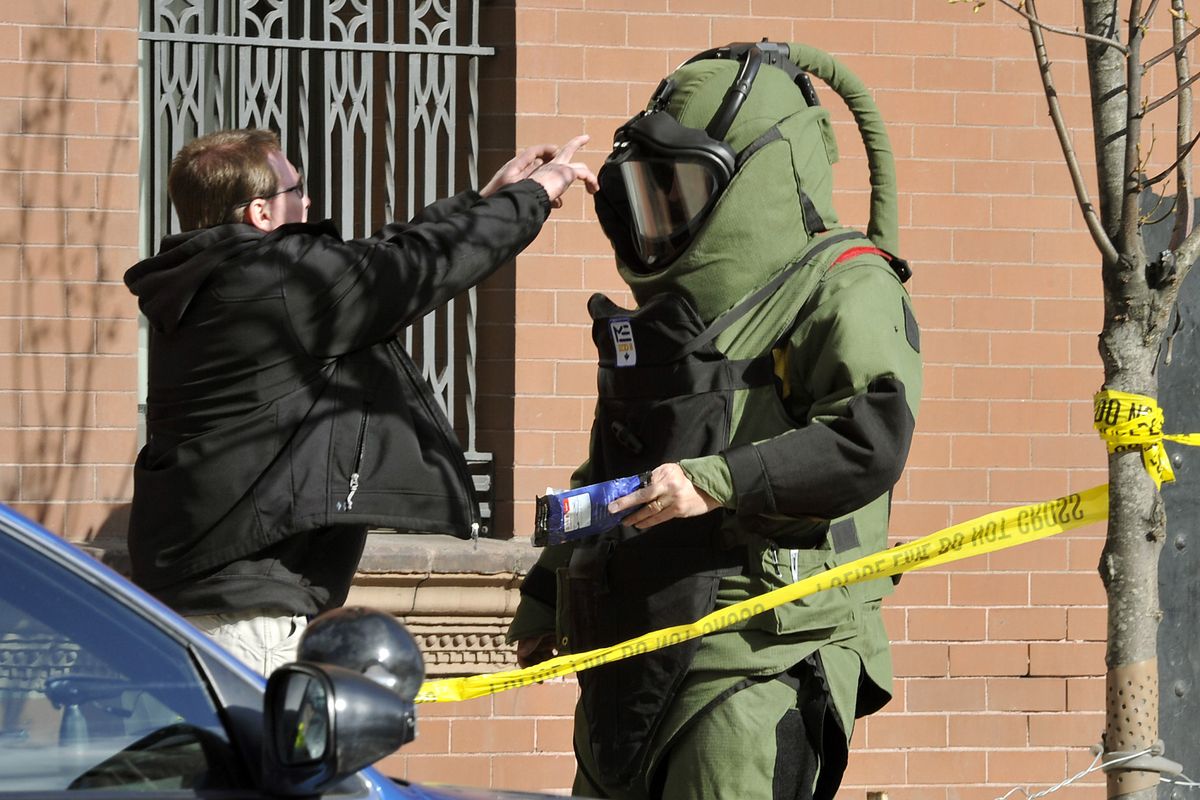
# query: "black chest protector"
{"type": "Point", "coordinates": [665, 393]}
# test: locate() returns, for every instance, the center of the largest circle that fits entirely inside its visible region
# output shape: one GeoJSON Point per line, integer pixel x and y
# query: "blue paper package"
{"type": "Point", "coordinates": [579, 513]}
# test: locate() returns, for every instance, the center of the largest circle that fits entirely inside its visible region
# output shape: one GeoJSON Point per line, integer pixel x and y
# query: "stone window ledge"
{"type": "Point", "coordinates": [456, 597]}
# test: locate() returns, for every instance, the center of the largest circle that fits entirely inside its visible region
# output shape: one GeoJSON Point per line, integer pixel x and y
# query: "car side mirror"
{"type": "Point", "coordinates": [324, 723]}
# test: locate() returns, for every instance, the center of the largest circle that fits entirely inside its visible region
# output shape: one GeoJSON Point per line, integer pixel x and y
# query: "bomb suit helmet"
{"type": "Point", "coordinates": [730, 170]}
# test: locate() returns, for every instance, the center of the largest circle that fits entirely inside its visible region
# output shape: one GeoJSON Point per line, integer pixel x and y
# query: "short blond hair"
{"type": "Point", "coordinates": [213, 176]}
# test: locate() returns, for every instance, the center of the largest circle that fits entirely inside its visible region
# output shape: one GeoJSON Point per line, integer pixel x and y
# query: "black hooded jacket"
{"type": "Point", "coordinates": [279, 400]}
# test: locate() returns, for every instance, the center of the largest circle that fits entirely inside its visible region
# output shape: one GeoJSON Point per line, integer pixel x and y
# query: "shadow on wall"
{"type": "Point", "coordinates": [497, 296]}
{"type": "Point", "coordinates": [68, 328]}
{"type": "Point", "coordinates": [106, 541]}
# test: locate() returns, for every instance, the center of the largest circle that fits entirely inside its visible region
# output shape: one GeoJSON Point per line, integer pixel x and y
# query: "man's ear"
{"type": "Point", "coordinates": [258, 214]}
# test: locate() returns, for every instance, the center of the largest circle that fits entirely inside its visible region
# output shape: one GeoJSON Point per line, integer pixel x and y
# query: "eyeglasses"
{"type": "Point", "coordinates": [298, 188]}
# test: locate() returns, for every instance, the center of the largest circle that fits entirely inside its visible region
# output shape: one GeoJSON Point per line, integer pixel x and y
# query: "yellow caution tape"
{"type": "Point", "coordinates": [1125, 422]}
{"type": "Point", "coordinates": [995, 531]}
{"type": "Point", "coordinates": [1132, 421]}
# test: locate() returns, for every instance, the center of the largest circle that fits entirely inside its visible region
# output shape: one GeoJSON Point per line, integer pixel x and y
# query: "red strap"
{"type": "Point", "coordinates": [855, 252]}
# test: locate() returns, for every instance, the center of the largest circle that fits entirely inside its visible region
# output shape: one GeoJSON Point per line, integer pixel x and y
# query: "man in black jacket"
{"type": "Point", "coordinates": [282, 416]}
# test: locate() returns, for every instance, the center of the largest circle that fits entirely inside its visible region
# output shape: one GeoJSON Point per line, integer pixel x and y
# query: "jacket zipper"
{"type": "Point", "coordinates": [359, 450]}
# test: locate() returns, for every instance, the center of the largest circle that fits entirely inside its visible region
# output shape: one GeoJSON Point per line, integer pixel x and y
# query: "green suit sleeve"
{"type": "Point", "coordinates": [853, 384]}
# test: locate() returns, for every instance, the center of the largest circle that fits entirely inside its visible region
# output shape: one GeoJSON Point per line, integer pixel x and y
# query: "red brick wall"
{"type": "Point", "coordinates": [515, 740]}
{"type": "Point", "coordinates": [68, 229]}
{"type": "Point", "coordinates": [999, 660]}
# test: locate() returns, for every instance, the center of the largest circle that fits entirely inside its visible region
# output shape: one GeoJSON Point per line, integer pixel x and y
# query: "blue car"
{"type": "Point", "coordinates": [104, 690]}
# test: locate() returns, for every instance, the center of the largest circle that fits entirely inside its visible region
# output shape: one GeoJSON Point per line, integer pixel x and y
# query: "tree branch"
{"type": "Point", "coordinates": [1183, 153]}
{"type": "Point", "coordinates": [1110, 108]}
{"type": "Point", "coordinates": [1173, 48]}
{"type": "Point", "coordinates": [1094, 224]}
{"type": "Point", "coordinates": [1183, 162]}
{"type": "Point", "coordinates": [1148, 217]}
{"type": "Point", "coordinates": [1145, 20]}
{"type": "Point", "coordinates": [1131, 242]}
{"type": "Point", "coordinates": [1182, 83]}
{"type": "Point", "coordinates": [1032, 17]}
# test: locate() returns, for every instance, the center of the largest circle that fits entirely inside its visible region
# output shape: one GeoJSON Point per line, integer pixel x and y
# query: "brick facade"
{"type": "Point", "coordinates": [999, 660]}
{"type": "Point", "coordinates": [68, 228]}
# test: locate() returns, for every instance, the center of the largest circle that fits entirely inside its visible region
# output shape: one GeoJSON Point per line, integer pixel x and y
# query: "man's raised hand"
{"type": "Point", "coordinates": [557, 174]}
{"type": "Point", "coordinates": [550, 166]}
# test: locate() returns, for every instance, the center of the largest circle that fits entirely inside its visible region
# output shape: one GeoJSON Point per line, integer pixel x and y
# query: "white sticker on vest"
{"type": "Point", "coordinates": [622, 335]}
{"type": "Point", "coordinates": [577, 512]}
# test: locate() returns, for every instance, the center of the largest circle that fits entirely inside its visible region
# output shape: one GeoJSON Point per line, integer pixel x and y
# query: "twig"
{"type": "Point", "coordinates": [1172, 49]}
{"type": "Point", "coordinates": [1148, 217]}
{"type": "Point", "coordinates": [1183, 242]}
{"type": "Point", "coordinates": [1183, 85]}
{"type": "Point", "coordinates": [1187, 148]}
{"type": "Point", "coordinates": [1142, 161]}
{"type": "Point", "coordinates": [1144, 22]}
{"type": "Point", "coordinates": [1107, 249]}
{"type": "Point", "coordinates": [1091, 37]}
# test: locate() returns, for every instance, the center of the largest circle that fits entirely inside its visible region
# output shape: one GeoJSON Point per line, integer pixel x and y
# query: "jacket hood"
{"type": "Point", "coordinates": [759, 225]}
{"type": "Point", "coordinates": [165, 284]}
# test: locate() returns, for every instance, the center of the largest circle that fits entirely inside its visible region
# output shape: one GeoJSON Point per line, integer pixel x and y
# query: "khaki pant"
{"type": "Point", "coordinates": [261, 642]}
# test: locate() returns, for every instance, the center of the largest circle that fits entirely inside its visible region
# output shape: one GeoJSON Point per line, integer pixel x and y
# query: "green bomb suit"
{"type": "Point", "coordinates": [766, 708]}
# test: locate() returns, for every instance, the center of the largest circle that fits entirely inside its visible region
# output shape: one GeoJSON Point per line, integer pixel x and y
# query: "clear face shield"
{"type": "Point", "coordinates": [658, 187]}
{"type": "Point", "coordinates": [662, 179]}
{"type": "Point", "coordinates": [668, 202]}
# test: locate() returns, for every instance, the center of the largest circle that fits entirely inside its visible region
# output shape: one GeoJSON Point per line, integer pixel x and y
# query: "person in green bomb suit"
{"type": "Point", "coordinates": [768, 381]}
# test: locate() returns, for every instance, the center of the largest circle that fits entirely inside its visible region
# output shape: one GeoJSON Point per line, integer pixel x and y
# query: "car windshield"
{"type": "Point", "coordinates": [92, 695]}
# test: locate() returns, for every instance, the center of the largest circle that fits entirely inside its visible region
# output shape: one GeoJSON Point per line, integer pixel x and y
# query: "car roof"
{"type": "Point", "coordinates": [85, 566]}
{"type": "Point", "coordinates": [89, 568]}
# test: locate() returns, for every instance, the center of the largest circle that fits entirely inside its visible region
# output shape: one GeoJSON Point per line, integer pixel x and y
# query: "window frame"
{"type": "Point", "coordinates": [217, 677]}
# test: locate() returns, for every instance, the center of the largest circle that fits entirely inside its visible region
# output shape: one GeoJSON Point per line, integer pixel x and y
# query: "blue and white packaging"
{"type": "Point", "coordinates": [583, 512]}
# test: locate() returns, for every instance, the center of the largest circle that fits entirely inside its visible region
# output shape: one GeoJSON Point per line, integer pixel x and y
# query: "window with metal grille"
{"type": "Point", "coordinates": [375, 101]}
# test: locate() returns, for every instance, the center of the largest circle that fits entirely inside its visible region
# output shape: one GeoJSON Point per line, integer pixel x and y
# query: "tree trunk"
{"type": "Point", "coordinates": [1128, 348]}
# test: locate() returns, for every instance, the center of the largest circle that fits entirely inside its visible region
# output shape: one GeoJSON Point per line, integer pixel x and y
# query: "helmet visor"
{"type": "Point", "coordinates": [668, 202]}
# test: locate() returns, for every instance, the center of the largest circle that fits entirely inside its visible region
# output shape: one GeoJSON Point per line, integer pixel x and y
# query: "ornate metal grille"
{"type": "Point", "coordinates": [375, 102]}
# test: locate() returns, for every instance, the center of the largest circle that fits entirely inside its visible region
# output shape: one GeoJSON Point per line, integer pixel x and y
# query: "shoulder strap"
{"type": "Point", "coordinates": [731, 316]}
{"type": "Point", "coordinates": [899, 266]}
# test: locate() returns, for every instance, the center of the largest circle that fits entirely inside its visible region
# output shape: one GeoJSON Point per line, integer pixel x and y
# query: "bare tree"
{"type": "Point", "coordinates": [1140, 290]}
